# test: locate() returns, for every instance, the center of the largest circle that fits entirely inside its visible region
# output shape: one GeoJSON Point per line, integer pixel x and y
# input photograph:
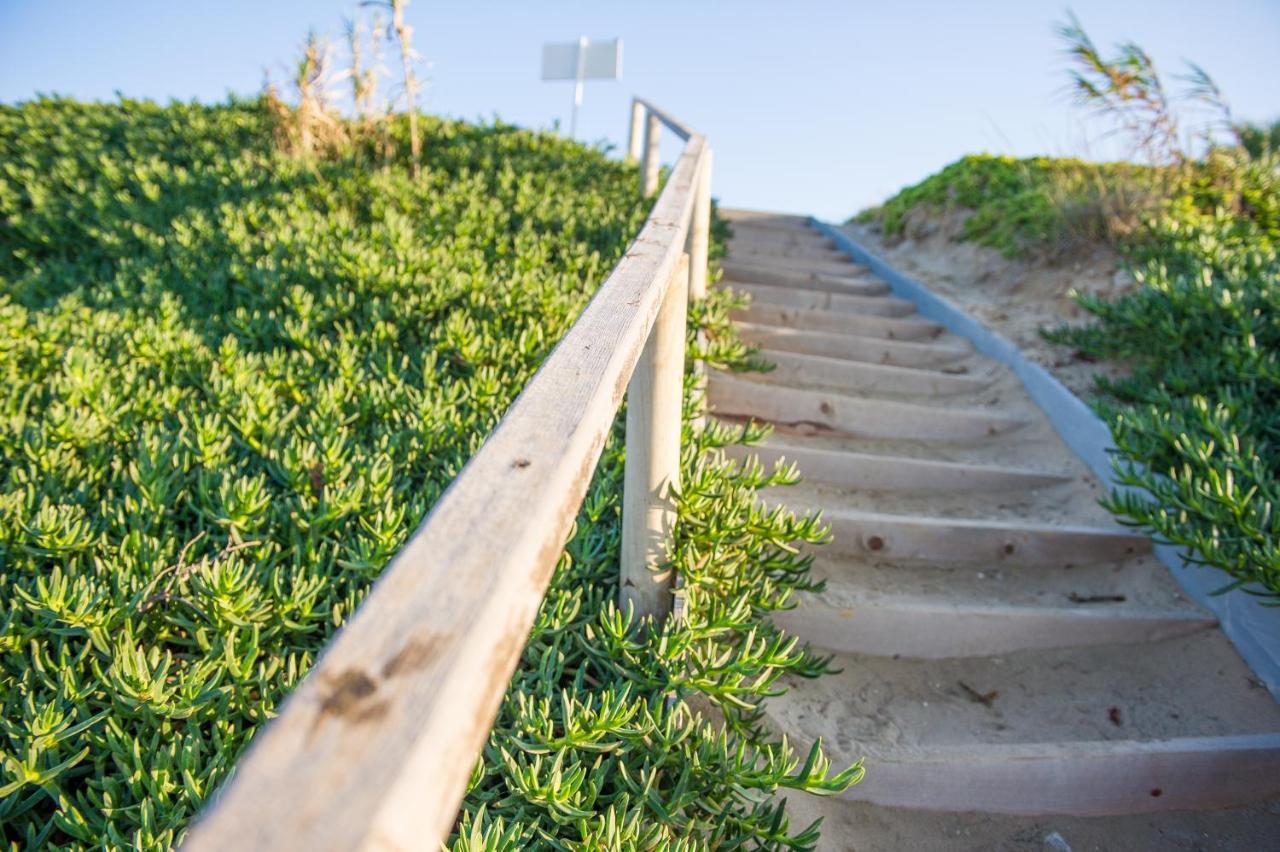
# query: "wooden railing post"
{"type": "Point", "coordinates": [698, 243]}
{"type": "Point", "coordinates": [700, 231]}
{"type": "Point", "coordinates": [649, 165]}
{"type": "Point", "coordinates": [637, 128]}
{"type": "Point", "coordinates": [654, 400]}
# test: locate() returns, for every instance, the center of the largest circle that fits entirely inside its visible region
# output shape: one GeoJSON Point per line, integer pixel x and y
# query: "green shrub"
{"type": "Point", "coordinates": [1038, 206]}
{"type": "Point", "coordinates": [1200, 408]}
{"type": "Point", "coordinates": [234, 382]}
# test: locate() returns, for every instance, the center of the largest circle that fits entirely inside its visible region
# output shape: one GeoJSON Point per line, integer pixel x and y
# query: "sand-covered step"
{"type": "Point", "coordinates": [878, 473]}
{"type": "Point", "coordinates": [781, 251]}
{"type": "Point", "coordinates": [744, 216]}
{"type": "Point", "coordinates": [1080, 778]}
{"type": "Point", "coordinates": [881, 306]}
{"type": "Point", "coordinates": [819, 412]}
{"type": "Point", "coordinates": [878, 705]}
{"type": "Point", "coordinates": [939, 356]}
{"type": "Point", "coordinates": [936, 609]}
{"type": "Point", "coordinates": [815, 371]}
{"type": "Point", "coordinates": [890, 328]}
{"type": "Point", "coordinates": [769, 263]}
{"type": "Point", "coordinates": [918, 721]}
{"type": "Point", "coordinates": [856, 283]}
{"type": "Point", "coordinates": [778, 236]}
{"type": "Point", "coordinates": [979, 541]}
{"type": "Point", "coordinates": [863, 827]}
{"type": "Point", "coordinates": [748, 250]}
{"type": "Point", "coordinates": [797, 258]}
{"type": "Point", "coordinates": [855, 620]}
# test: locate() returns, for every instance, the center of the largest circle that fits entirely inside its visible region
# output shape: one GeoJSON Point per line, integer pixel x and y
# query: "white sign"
{"type": "Point", "coordinates": [600, 60]}
{"type": "Point", "coordinates": [580, 60]}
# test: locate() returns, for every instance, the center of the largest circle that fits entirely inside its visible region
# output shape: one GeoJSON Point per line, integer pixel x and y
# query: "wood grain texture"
{"type": "Point", "coordinates": [857, 283]}
{"type": "Point", "coordinates": [852, 377]}
{"type": "Point", "coordinates": [851, 347]}
{"type": "Point", "coordinates": [841, 303]}
{"type": "Point", "coordinates": [822, 412]}
{"type": "Point", "coordinates": [374, 748]}
{"type": "Point", "coordinates": [926, 627]}
{"type": "Point", "coordinates": [889, 328]}
{"type": "Point", "coordinates": [654, 399]}
{"type": "Point", "coordinates": [985, 542]}
{"type": "Point", "coordinates": [872, 472]}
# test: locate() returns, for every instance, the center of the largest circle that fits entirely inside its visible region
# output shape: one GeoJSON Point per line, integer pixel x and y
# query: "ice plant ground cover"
{"type": "Point", "coordinates": [235, 379]}
{"type": "Point", "coordinates": [1199, 410]}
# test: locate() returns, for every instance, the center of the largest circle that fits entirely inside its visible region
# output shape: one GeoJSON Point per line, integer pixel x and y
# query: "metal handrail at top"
{"type": "Point", "coordinates": [374, 748]}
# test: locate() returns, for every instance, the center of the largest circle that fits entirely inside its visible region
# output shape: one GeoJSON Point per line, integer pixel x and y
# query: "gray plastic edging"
{"type": "Point", "coordinates": [1253, 628]}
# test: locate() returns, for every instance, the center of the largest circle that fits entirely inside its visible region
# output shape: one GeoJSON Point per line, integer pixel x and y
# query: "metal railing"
{"type": "Point", "coordinates": [374, 748]}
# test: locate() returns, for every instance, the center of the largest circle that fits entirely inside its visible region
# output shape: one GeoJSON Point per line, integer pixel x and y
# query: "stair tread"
{"type": "Point", "coordinates": [824, 411]}
{"type": "Point", "coordinates": [898, 707]}
{"type": "Point", "coordinates": [874, 473]}
{"type": "Point", "coordinates": [909, 328]}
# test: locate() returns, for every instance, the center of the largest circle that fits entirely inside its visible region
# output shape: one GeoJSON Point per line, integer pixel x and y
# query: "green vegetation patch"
{"type": "Point", "coordinates": [1197, 421]}
{"type": "Point", "coordinates": [233, 382]}
{"type": "Point", "coordinates": [1022, 207]}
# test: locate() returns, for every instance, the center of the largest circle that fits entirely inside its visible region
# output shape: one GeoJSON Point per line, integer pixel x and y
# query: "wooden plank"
{"type": "Point", "coordinates": [776, 254]}
{"type": "Point", "coordinates": [930, 628]}
{"type": "Point", "coordinates": [650, 164]}
{"type": "Point", "coordinates": [1098, 778]}
{"type": "Point", "coordinates": [817, 300]}
{"type": "Point", "coordinates": [652, 474]}
{"type": "Point", "coordinates": [867, 472]}
{"type": "Point", "coordinates": [745, 233]}
{"type": "Point", "coordinates": [839, 323]}
{"type": "Point", "coordinates": [819, 412]}
{"type": "Point", "coordinates": [373, 750]}
{"type": "Point", "coordinates": [859, 379]}
{"type": "Point", "coordinates": [851, 347]}
{"type": "Point", "coordinates": [635, 134]}
{"type": "Point", "coordinates": [675, 125]}
{"type": "Point", "coordinates": [698, 248]}
{"type": "Point", "coordinates": [854, 286]}
{"type": "Point", "coordinates": [766, 263]}
{"type": "Point", "coordinates": [767, 220]}
{"type": "Point", "coordinates": [987, 542]}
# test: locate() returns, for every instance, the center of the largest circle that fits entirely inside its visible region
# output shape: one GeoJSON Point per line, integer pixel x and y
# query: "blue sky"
{"type": "Point", "coordinates": [820, 107]}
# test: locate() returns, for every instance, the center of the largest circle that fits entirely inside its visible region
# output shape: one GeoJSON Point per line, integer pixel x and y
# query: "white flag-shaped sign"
{"type": "Point", "coordinates": [582, 60]}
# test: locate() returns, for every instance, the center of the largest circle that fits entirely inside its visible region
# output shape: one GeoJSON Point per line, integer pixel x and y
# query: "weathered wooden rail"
{"type": "Point", "coordinates": [373, 750]}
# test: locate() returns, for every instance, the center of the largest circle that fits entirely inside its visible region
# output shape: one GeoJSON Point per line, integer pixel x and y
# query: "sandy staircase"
{"type": "Point", "coordinates": [1018, 671]}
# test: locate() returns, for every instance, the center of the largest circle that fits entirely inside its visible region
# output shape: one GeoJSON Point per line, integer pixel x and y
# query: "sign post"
{"type": "Point", "coordinates": [581, 60]}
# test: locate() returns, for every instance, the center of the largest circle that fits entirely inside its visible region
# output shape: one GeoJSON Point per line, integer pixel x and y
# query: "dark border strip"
{"type": "Point", "coordinates": [1253, 628]}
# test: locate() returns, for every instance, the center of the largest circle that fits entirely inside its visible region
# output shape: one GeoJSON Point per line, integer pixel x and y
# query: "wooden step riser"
{"type": "Point", "coordinates": [858, 282]}
{"type": "Point", "coordinates": [983, 543]}
{"type": "Point", "coordinates": [814, 412]}
{"type": "Point", "coordinates": [829, 322]}
{"type": "Point", "coordinates": [747, 251]}
{"type": "Point", "coordinates": [1080, 779]}
{"type": "Point", "coordinates": [865, 472]}
{"type": "Point", "coordinates": [853, 348]}
{"type": "Point", "coordinates": [815, 283]}
{"type": "Point", "coordinates": [933, 631]}
{"type": "Point", "coordinates": [853, 378]}
{"type": "Point", "coordinates": [792, 297]}
{"type": "Point", "coordinates": [760, 263]}
{"type": "Point", "coordinates": [771, 225]}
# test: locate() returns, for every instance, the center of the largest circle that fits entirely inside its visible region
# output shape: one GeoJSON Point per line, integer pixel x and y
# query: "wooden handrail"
{"type": "Point", "coordinates": [374, 748]}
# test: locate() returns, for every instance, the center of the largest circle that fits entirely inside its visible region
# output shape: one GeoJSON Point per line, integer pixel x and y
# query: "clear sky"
{"type": "Point", "coordinates": [820, 107]}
